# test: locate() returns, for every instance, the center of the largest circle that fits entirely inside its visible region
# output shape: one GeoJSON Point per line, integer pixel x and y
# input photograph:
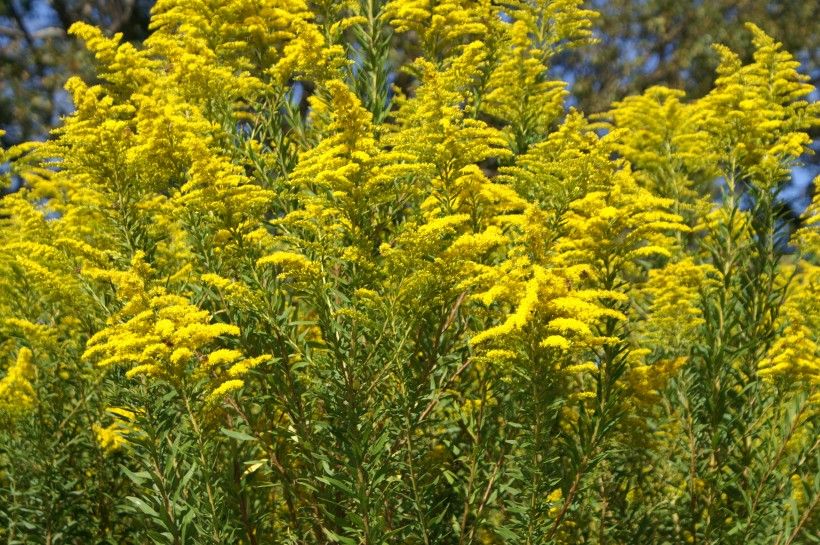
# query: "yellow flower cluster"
{"type": "Point", "coordinates": [347, 178]}
{"type": "Point", "coordinates": [570, 277]}
{"type": "Point", "coordinates": [519, 91]}
{"type": "Point", "coordinates": [667, 143]}
{"type": "Point", "coordinates": [20, 160]}
{"type": "Point", "coordinates": [565, 317]}
{"type": "Point", "coordinates": [237, 33]}
{"type": "Point", "coordinates": [557, 24]}
{"type": "Point", "coordinates": [114, 436]}
{"type": "Point", "coordinates": [42, 301]}
{"type": "Point", "coordinates": [646, 382]}
{"type": "Point", "coordinates": [442, 25]}
{"type": "Point", "coordinates": [795, 354]}
{"type": "Point", "coordinates": [551, 324]}
{"type": "Point", "coordinates": [17, 395]}
{"type": "Point", "coordinates": [437, 260]}
{"type": "Point", "coordinates": [562, 222]}
{"type": "Point", "coordinates": [163, 335]}
{"type": "Point", "coordinates": [291, 264]}
{"type": "Point", "coordinates": [671, 299]}
{"type": "Point", "coordinates": [758, 114]}
{"type": "Point", "coordinates": [569, 162]}
{"type": "Point", "coordinates": [611, 230]}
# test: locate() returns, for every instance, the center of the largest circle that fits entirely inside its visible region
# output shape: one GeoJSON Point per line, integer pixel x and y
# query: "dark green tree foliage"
{"type": "Point", "coordinates": [37, 56]}
{"type": "Point", "coordinates": [669, 42]}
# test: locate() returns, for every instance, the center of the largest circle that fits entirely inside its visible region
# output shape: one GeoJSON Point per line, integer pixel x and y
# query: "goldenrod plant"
{"type": "Point", "coordinates": [251, 292]}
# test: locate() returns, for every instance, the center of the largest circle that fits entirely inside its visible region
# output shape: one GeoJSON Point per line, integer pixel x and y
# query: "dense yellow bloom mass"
{"type": "Point", "coordinates": [671, 296]}
{"type": "Point", "coordinates": [352, 272]}
{"type": "Point", "coordinates": [666, 140]}
{"type": "Point", "coordinates": [610, 230]}
{"type": "Point", "coordinates": [442, 25]}
{"type": "Point", "coordinates": [763, 103]}
{"type": "Point", "coordinates": [17, 395]}
{"type": "Point", "coordinates": [795, 354]}
{"type": "Point", "coordinates": [163, 335]}
{"type": "Point", "coordinates": [114, 436]}
{"type": "Point", "coordinates": [520, 93]}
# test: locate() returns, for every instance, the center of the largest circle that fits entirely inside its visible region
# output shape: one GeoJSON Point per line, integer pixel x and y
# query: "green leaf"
{"type": "Point", "coordinates": [144, 507]}
{"type": "Point", "coordinates": [337, 538]}
{"type": "Point", "coordinates": [238, 435]}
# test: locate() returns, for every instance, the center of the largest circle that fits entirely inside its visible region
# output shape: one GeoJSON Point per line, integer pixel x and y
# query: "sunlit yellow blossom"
{"type": "Point", "coordinates": [442, 24]}
{"type": "Point", "coordinates": [356, 273]}
{"type": "Point", "coordinates": [520, 93]}
{"type": "Point", "coordinates": [114, 436]}
{"type": "Point", "coordinates": [163, 336]}
{"type": "Point", "coordinates": [225, 388]}
{"type": "Point", "coordinates": [17, 395]}
{"type": "Point", "coordinates": [672, 294]}
{"type": "Point", "coordinates": [795, 354]}
{"type": "Point", "coordinates": [291, 264]}
{"type": "Point", "coordinates": [110, 437]}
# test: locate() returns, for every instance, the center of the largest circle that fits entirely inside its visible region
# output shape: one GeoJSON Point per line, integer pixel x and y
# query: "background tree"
{"type": "Point", "coordinates": [669, 42]}
{"type": "Point", "coordinates": [642, 43]}
{"type": "Point", "coordinates": [37, 56]}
